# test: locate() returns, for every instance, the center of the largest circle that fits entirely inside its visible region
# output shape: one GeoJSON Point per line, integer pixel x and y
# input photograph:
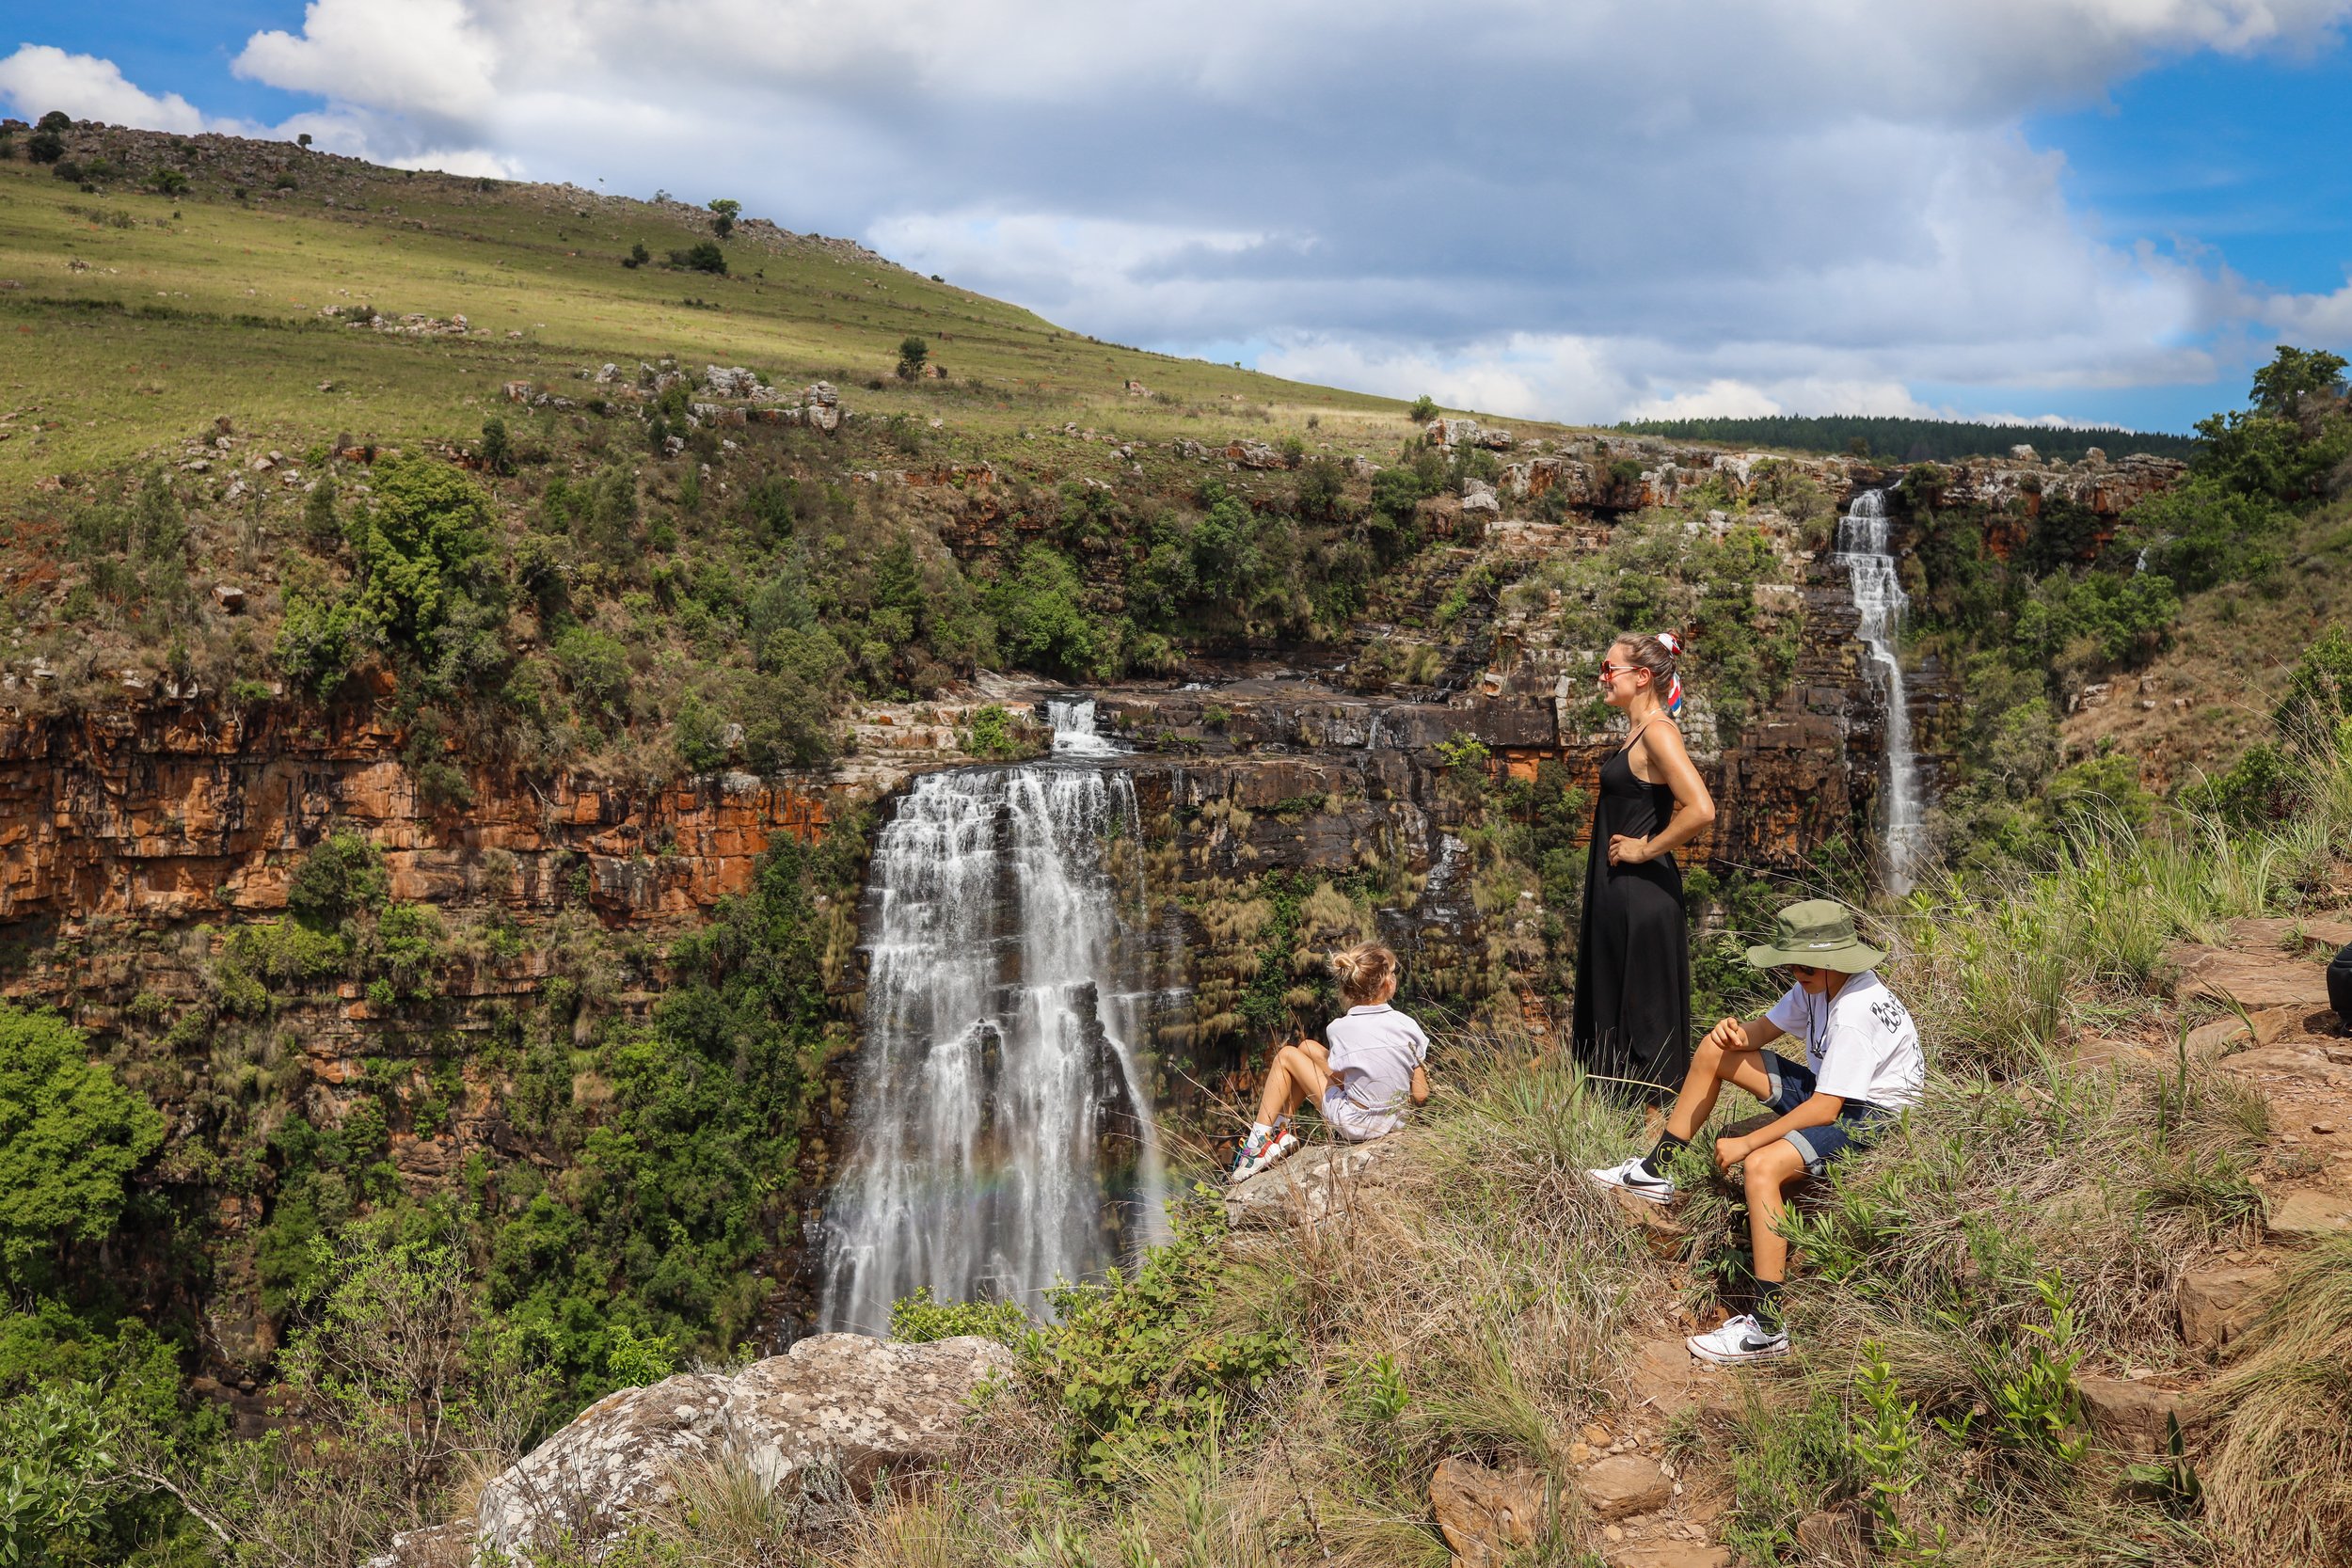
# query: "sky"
{"type": "Point", "coordinates": [2105, 211]}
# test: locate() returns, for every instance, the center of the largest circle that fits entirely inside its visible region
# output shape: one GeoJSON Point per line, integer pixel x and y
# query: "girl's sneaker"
{"type": "Point", "coordinates": [1631, 1177]}
{"type": "Point", "coordinates": [1741, 1340]}
{"type": "Point", "coordinates": [1259, 1154]}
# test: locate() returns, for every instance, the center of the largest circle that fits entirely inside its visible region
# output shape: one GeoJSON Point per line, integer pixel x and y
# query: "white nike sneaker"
{"type": "Point", "coordinates": [1631, 1177]}
{"type": "Point", "coordinates": [1741, 1340]}
{"type": "Point", "coordinates": [1252, 1159]}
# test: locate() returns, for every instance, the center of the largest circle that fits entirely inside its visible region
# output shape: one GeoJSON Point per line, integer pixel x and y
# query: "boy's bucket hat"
{"type": "Point", "coordinates": [1818, 932]}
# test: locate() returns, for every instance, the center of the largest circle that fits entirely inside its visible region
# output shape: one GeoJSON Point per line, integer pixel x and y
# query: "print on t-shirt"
{"type": "Point", "coordinates": [1861, 1044]}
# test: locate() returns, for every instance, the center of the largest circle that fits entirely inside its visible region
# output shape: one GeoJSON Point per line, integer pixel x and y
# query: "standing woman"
{"type": "Point", "coordinates": [1632, 1020]}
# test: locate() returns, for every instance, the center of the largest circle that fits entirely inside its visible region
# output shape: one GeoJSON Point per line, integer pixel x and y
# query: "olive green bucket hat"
{"type": "Point", "coordinates": [1818, 932]}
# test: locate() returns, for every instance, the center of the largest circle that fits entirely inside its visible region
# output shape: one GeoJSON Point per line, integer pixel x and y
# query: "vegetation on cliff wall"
{"type": "Point", "coordinates": [2031, 606]}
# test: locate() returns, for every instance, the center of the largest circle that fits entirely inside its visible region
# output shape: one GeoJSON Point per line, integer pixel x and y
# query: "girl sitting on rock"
{"type": "Point", "coordinates": [1363, 1082]}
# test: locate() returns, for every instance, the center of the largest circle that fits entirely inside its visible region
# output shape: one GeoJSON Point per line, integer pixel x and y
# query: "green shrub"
{"type": "Point", "coordinates": [1137, 1366]}
{"type": "Point", "coordinates": [990, 734]}
{"type": "Point", "coordinates": [70, 1134]}
{"type": "Point", "coordinates": [701, 256]}
{"type": "Point", "coordinates": [342, 874]}
{"type": "Point", "coordinates": [1042, 621]}
{"type": "Point", "coordinates": [289, 952]}
{"type": "Point", "coordinates": [595, 668]}
{"type": "Point", "coordinates": [403, 953]}
{"type": "Point", "coordinates": [2262, 786]}
{"type": "Point", "coordinates": [424, 551]}
{"type": "Point", "coordinates": [919, 1319]}
{"type": "Point", "coordinates": [1423, 410]}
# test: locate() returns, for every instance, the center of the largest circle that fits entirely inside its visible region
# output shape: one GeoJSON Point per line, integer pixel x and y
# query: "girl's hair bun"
{"type": "Point", "coordinates": [1362, 970]}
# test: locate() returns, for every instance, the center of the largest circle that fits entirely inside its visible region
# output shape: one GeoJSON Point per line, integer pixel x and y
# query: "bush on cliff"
{"type": "Point", "coordinates": [70, 1134]}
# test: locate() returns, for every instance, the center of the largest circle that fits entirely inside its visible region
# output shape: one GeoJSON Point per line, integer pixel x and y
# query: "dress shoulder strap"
{"type": "Point", "coordinates": [1639, 731]}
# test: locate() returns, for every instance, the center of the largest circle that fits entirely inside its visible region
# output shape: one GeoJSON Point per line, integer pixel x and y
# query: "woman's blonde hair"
{"type": "Point", "coordinates": [1362, 970]}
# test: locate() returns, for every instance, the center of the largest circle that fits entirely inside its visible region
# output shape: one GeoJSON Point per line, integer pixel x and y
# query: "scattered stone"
{"type": "Point", "coordinates": [2309, 1213]}
{"type": "Point", "coordinates": [2024, 452]}
{"type": "Point", "coordinates": [1488, 1517]}
{"type": "Point", "coordinates": [2129, 1414]}
{"type": "Point", "coordinates": [1623, 1486]}
{"type": "Point", "coordinates": [2221, 1302]}
{"type": "Point", "coordinates": [839, 1402]}
{"type": "Point", "coordinates": [231, 599]}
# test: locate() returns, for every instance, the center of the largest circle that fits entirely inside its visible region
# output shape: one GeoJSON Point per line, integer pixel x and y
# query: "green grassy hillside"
{"type": "Point", "coordinates": [135, 317]}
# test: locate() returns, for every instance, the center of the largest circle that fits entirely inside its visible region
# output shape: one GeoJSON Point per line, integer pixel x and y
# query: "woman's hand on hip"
{"type": "Point", "coordinates": [1625, 849]}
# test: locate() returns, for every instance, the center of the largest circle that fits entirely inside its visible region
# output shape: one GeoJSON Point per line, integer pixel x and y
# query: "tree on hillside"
{"type": "Point", "coordinates": [913, 350]}
{"type": "Point", "coordinates": [727, 210]}
{"type": "Point", "coordinates": [703, 256]}
{"type": "Point", "coordinates": [55, 120]}
{"type": "Point", "coordinates": [303, 140]}
{"type": "Point", "coordinates": [2282, 387]}
{"type": "Point", "coordinates": [45, 146]}
{"type": "Point", "coordinates": [71, 1135]}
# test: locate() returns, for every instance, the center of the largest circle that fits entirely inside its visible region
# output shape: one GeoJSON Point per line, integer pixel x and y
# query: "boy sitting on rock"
{"type": "Point", "coordinates": [1861, 1065]}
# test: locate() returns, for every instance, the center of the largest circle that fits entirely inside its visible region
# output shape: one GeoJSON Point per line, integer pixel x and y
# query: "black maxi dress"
{"type": "Point", "coordinates": [1632, 1018]}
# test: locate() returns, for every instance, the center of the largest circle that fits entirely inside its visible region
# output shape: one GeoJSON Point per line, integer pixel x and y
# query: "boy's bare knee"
{"type": "Point", "coordinates": [1773, 1168]}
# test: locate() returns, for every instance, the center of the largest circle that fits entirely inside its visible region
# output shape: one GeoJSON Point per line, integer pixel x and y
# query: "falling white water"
{"type": "Point", "coordinates": [1003, 1137]}
{"type": "Point", "coordinates": [1878, 598]}
{"type": "Point", "coordinates": [1073, 719]}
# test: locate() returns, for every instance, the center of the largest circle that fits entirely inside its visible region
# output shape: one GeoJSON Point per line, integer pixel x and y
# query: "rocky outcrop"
{"type": "Point", "coordinates": [838, 1405]}
{"type": "Point", "coordinates": [179, 811]}
{"type": "Point", "coordinates": [1322, 1181]}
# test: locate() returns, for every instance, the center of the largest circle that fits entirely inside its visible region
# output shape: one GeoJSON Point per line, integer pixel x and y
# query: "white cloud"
{"type": "Point", "coordinates": [416, 56]}
{"type": "Point", "coordinates": [38, 78]}
{"type": "Point", "coordinates": [1533, 206]}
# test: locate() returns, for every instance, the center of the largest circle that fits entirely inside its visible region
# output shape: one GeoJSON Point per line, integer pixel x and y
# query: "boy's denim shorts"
{"type": "Point", "coordinates": [1793, 1084]}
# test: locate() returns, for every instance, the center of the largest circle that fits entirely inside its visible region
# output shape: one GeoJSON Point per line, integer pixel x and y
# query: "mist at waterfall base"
{"type": "Point", "coordinates": [1003, 1135]}
{"type": "Point", "coordinates": [1863, 549]}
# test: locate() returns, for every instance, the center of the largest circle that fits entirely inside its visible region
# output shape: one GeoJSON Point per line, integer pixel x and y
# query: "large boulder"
{"type": "Point", "coordinates": [837, 1403]}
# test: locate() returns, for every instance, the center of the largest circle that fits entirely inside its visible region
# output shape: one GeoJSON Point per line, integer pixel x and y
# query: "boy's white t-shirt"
{"type": "Point", "coordinates": [1373, 1053]}
{"type": "Point", "coordinates": [1861, 1043]}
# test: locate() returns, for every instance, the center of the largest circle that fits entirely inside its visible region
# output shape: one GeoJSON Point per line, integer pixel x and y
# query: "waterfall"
{"type": "Point", "coordinates": [1073, 719]}
{"type": "Point", "coordinates": [1878, 596]}
{"type": "Point", "coordinates": [1003, 1135]}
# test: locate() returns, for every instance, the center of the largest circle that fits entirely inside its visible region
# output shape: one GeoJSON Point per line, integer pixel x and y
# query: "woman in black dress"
{"type": "Point", "coordinates": [1632, 1020]}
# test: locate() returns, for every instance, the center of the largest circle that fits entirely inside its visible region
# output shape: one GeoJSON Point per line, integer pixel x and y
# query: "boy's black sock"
{"type": "Point", "coordinates": [1768, 1305]}
{"type": "Point", "coordinates": [1654, 1162]}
